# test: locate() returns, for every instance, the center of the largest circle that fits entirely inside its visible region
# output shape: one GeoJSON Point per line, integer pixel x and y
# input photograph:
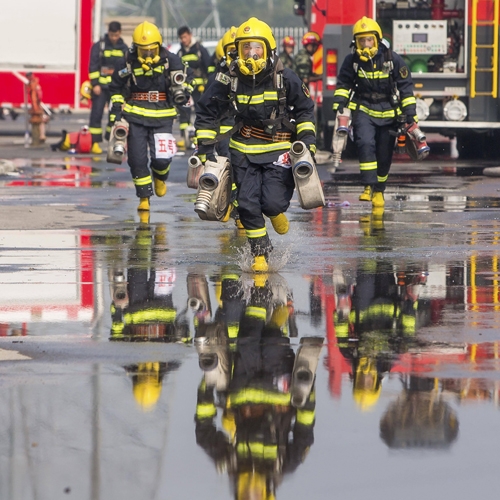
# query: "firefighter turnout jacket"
{"type": "Point", "coordinates": [198, 59]}
{"type": "Point", "coordinates": [146, 96]}
{"type": "Point", "coordinates": [374, 83]}
{"type": "Point", "coordinates": [104, 59]}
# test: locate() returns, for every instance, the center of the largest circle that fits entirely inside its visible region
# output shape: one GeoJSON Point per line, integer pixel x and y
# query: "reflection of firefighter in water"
{"type": "Point", "coordinates": [142, 308]}
{"type": "Point", "coordinates": [263, 389]}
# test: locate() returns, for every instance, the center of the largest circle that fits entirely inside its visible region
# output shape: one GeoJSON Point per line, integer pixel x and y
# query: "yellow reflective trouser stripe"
{"type": "Point", "coordinates": [163, 315]}
{"type": "Point", "coordinates": [117, 327]}
{"type": "Point", "coordinates": [409, 323]}
{"type": "Point", "coordinates": [382, 178]}
{"type": "Point", "coordinates": [257, 450]}
{"type": "Point", "coordinates": [341, 93]}
{"type": "Point", "coordinates": [372, 75]}
{"type": "Point", "coordinates": [256, 312]}
{"type": "Point", "coordinates": [371, 165]}
{"type": "Point", "coordinates": [189, 57]}
{"type": "Point", "coordinates": [104, 80]}
{"type": "Point", "coordinates": [94, 75]}
{"type": "Point", "coordinates": [256, 233]}
{"type": "Point", "coordinates": [225, 128]}
{"type": "Point", "coordinates": [117, 98]}
{"type": "Point", "coordinates": [408, 100]}
{"type": "Point", "coordinates": [233, 277]}
{"type": "Point", "coordinates": [305, 126]}
{"type": "Point", "coordinates": [390, 113]}
{"type": "Point", "coordinates": [258, 396]}
{"type": "Point", "coordinates": [184, 125]}
{"type": "Point", "coordinates": [380, 309]}
{"type": "Point", "coordinates": [113, 53]}
{"type": "Point", "coordinates": [259, 148]}
{"type": "Point", "coordinates": [305, 417]}
{"type": "Point", "coordinates": [142, 181]}
{"type": "Point", "coordinates": [150, 113]}
{"type": "Point", "coordinates": [161, 172]}
{"type": "Point", "coordinates": [206, 410]}
{"type": "Point", "coordinates": [95, 130]}
{"type": "Point", "coordinates": [206, 134]}
{"type": "Point", "coordinates": [232, 331]}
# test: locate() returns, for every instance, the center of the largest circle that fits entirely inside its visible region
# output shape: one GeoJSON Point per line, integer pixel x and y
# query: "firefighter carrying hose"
{"type": "Point", "coordinates": [260, 93]}
{"type": "Point", "coordinates": [375, 83]}
{"type": "Point", "coordinates": [144, 92]}
{"type": "Point", "coordinates": [105, 56]}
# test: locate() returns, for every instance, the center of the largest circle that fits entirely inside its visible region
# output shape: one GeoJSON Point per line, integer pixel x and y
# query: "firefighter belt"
{"type": "Point", "coordinates": [151, 96]}
{"type": "Point", "coordinates": [249, 131]}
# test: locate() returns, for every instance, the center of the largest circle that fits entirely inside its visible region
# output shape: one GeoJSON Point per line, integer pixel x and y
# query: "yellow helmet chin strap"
{"type": "Point", "coordinates": [148, 62]}
{"type": "Point", "coordinates": [251, 66]}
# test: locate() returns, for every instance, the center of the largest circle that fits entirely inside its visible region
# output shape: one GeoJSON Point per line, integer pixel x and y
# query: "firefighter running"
{"type": "Point", "coordinates": [106, 55]}
{"type": "Point", "coordinates": [261, 94]}
{"type": "Point", "coordinates": [146, 88]}
{"type": "Point", "coordinates": [375, 83]}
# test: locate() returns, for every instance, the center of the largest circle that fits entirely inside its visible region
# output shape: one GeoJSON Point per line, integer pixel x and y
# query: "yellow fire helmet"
{"type": "Point", "coordinates": [219, 51]}
{"type": "Point", "coordinates": [255, 43]}
{"type": "Point", "coordinates": [86, 90]}
{"type": "Point", "coordinates": [228, 44]}
{"type": "Point", "coordinates": [148, 40]}
{"type": "Point", "coordinates": [366, 27]}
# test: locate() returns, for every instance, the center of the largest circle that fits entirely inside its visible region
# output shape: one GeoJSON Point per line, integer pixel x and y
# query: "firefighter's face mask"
{"type": "Point", "coordinates": [148, 55]}
{"type": "Point", "coordinates": [252, 57]}
{"type": "Point", "coordinates": [366, 46]}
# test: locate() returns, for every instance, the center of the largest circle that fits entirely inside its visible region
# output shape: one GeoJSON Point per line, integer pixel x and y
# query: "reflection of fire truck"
{"type": "Point", "coordinates": [53, 284]}
{"type": "Point", "coordinates": [52, 40]}
{"type": "Point", "coordinates": [451, 49]}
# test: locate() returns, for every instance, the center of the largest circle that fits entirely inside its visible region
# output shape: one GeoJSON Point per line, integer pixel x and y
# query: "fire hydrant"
{"type": "Point", "coordinates": [37, 116]}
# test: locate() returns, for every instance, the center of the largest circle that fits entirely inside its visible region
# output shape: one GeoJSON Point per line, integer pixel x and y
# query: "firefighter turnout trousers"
{"type": "Point", "coordinates": [262, 189]}
{"type": "Point", "coordinates": [375, 145]}
{"type": "Point", "coordinates": [98, 104]}
{"type": "Point", "coordinates": [141, 137]}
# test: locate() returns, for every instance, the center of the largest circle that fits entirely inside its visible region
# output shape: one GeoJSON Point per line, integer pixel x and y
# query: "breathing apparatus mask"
{"type": "Point", "coordinates": [252, 57]}
{"type": "Point", "coordinates": [362, 43]}
{"type": "Point", "coordinates": [148, 55]}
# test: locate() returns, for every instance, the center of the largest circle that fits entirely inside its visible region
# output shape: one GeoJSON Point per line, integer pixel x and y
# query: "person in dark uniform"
{"type": "Point", "coordinates": [142, 91]}
{"type": "Point", "coordinates": [263, 436]}
{"type": "Point", "coordinates": [375, 83]}
{"type": "Point", "coordinates": [105, 56]}
{"type": "Point", "coordinates": [198, 59]}
{"type": "Point", "coordinates": [271, 108]}
{"type": "Point", "coordinates": [286, 55]}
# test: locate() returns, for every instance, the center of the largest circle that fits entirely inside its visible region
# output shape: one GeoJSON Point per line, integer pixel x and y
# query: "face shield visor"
{"type": "Point", "coordinates": [148, 54]}
{"type": "Point", "coordinates": [366, 46]}
{"type": "Point", "coordinates": [252, 56]}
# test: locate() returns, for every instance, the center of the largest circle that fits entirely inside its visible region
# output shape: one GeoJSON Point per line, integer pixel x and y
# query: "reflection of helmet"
{"type": "Point", "coordinates": [254, 31]}
{"type": "Point", "coordinates": [364, 27]}
{"type": "Point", "coordinates": [148, 40]}
{"type": "Point", "coordinates": [147, 385]}
{"type": "Point", "coordinates": [86, 90]}
{"type": "Point", "coordinates": [367, 384]}
{"type": "Point", "coordinates": [311, 37]}
{"type": "Point", "coordinates": [288, 41]}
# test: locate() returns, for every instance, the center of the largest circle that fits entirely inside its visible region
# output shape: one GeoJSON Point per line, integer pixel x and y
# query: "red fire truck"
{"type": "Point", "coordinates": [50, 39]}
{"type": "Point", "coordinates": [450, 47]}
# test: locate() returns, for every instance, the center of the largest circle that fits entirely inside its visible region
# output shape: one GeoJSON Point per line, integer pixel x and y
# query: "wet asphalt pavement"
{"type": "Point", "coordinates": [140, 359]}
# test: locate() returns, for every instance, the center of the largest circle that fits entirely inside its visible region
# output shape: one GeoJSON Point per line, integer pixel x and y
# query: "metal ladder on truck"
{"type": "Point", "coordinates": [491, 10]}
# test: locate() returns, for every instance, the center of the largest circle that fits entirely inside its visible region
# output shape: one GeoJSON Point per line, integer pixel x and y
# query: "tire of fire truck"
{"type": "Point", "coordinates": [478, 144]}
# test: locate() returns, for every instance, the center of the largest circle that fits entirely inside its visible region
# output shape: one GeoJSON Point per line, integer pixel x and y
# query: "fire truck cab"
{"type": "Point", "coordinates": [451, 49]}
